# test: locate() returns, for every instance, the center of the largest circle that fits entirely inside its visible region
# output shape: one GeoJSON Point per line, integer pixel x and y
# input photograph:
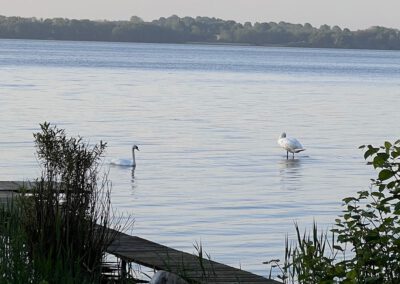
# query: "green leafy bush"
{"type": "Point", "coordinates": [370, 223]}
{"type": "Point", "coordinates": [367, 234]}
{"type": "Point", "coordinates": [67, 213]}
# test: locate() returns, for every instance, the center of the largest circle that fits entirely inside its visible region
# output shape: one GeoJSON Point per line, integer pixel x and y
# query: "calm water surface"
{"type": "Point", "coordinates": [206, 119]}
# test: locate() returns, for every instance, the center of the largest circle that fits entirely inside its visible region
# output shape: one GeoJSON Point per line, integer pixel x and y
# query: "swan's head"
{"type": "Point", "coordinates": [283, 135]}
{"type": "Point", "coordinates": [134, 147]}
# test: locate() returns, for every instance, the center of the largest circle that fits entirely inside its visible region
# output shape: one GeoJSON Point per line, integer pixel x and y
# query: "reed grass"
{"type": "Point", "coordinates": [58, 231]}
{"type": "Point", "coordinates": [364, 245]}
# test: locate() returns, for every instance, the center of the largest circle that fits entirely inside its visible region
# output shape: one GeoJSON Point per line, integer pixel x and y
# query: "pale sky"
{"type": "Point", "coordinates": [354, 14]}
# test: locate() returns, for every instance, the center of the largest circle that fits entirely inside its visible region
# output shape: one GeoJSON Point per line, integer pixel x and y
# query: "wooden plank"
{"type": "Point", "coordinates": [160, 257]}
{"type": "Point", "coordinates": [11, 185]}
{"type": "Point", "coordinates": [6, 187]}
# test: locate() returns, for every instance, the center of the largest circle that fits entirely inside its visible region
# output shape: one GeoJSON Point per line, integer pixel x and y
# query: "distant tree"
{"type": "Point", "coordinates": [247, 25]}
{"type": "Point", "coordinates": [325, 28]}
{"type": "Point", "coordinates": [136, 20]}
{"type": "Point", "coordinates": [308, 26]}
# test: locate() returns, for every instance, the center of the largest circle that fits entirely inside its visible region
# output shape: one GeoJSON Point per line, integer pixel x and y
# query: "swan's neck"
{"type": "Point", "coordinates": [133, 158]}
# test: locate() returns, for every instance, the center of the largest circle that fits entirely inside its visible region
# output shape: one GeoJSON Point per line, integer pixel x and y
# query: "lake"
{"type": "Point", "coordinates": [206, 119]}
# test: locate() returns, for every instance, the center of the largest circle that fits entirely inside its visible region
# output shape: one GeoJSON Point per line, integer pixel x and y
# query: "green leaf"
{"type": "Point", "coordinates": [395, 154]}
{"type": "Point", "coordinates": [363, 193]}
{"type": "Point", "coordinates": [378, 194]}
{"type": "Point", "coordinates": [388, 145]}
{"type": "Point", "coordinates": [383, 156]}
{"type": "Point", "coordinates": [378, 162]}
{"type": "Point", "coordinates": [352, 275]}
{"type": "Point", "coordinates": [370, 152]}
{"type": "Point", "coordinates": [348, 199]}
{"type": "Point", "coordinates": [385, 174]}
{"type": "Point", "coordinates": [346, 216]}
{"type": "Point", "coordinates": [371, 236]}
{"type": "Point", "coordinates": [368, 214]}
{"type": "Point", "coordinates": [337, 247]}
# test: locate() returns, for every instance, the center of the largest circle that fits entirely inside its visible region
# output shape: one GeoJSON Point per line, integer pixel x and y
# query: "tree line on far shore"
{"type": "Point", "coordinates": [175, 29]}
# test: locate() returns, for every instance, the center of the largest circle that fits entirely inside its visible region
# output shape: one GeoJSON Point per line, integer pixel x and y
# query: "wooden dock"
{"type": "Point", "coordinates": [159, 257]}
{"type": "Point", "coordinates": [153, 255]}
{"type": "Point", "coordinates": [9, 188]}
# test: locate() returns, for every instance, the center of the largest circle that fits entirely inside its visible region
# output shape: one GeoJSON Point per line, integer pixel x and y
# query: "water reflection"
{"type": "Point", "coordinates": [290, 163]}
{"type": "Point", "coordinates": [133, 185]}
{"type": "Point", "coordinates": [290, 172]}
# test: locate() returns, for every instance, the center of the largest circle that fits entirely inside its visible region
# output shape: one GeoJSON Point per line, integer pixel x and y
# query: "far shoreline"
{"type": "Point", "coordinates": [199, 43]}
{"type": "Point", "coordinates": [200, 30]}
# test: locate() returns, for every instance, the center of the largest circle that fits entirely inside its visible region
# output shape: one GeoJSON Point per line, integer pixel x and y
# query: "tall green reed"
{"type": "Point", "coordinates": [67, 212]}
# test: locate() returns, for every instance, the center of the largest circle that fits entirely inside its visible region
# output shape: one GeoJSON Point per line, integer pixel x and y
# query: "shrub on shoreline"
{"type": "Point", "coordinates": [57, 231]}
{"type": "Point", "coordinates": [365, 243]}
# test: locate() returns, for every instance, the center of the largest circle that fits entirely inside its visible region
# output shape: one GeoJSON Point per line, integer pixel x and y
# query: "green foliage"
{"type": "Point", "coordinates": [15, 266]}
{"type": "Point", "coordinates": [66, 214]}
{"type": "Point", "coordinates": [368, 233]}
{"type": "Point", "coordinates": [56, 232]}
{"type": "Point", "coordinates": [311, 261]}
{"type": "Point", "coordinates": [370, 223]}
{"type": "Point", "coordinates": [200, 29]}
{"type": "Point", "coordinates": [18, 265]}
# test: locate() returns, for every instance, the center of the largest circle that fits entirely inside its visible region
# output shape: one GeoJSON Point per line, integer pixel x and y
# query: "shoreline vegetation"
{"type": "Point", "coordinates": [200, 30]}
{"type": "Point", "coordinates": [364, 244]}
{"type": "Point", "coordinates": [57, 232]}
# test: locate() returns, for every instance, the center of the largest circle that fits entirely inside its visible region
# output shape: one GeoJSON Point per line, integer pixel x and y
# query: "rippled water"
{"type": "Point", "coordinates": [206, 119]}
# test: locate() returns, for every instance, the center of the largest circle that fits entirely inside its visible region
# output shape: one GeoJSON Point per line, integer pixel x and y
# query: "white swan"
{"type": "Point", "coordinates": [164, 277]}
{"type": "Point", "coordinates": [291, 145]}
{"type": "Point", "coordinates": [126, 162]}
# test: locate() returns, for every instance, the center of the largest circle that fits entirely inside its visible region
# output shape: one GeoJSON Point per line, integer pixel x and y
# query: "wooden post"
{"type": "Point", "coordinates": [123, 268]}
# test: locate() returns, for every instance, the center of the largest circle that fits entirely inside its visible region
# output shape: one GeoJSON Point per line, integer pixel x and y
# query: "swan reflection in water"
{"type": "Point", "coordinates": [133, 178]}
{"type": "Point", "coordinates": [290, 164]}
{"type": "Point", "coordinates": [290, 172]}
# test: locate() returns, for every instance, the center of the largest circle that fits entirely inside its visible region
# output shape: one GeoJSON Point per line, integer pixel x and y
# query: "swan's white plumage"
{"type": "Point", "coordinates": [164, 277]}
{"type": "Point", "coordinates": [122, 162]}
{"type": "Point", "coordinates": [291, 145]}
{"type": "Point", "coordinates": [126, 162]}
